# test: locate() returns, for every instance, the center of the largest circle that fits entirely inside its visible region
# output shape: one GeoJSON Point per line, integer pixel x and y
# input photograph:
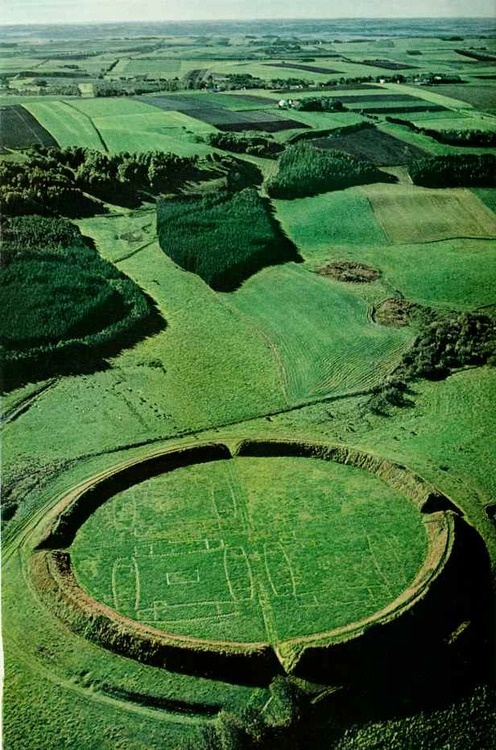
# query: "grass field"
{"type": "Point", "coordinates": [320, 332]}
{"type": "Point", "coordinates": [411, 215]}
{"type": "Point", "coordinates": [256, 557]}
{"type": "Point", "coordinates": [344, 217]}
{"type": "Point", "coordinates": [67, 125]}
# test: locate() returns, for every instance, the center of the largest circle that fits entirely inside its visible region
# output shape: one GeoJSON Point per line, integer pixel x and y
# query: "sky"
{"type": "Point", "coordinates": [99, 11]}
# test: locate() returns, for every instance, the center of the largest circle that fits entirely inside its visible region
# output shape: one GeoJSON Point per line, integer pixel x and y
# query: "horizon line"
{"type": "Point", "coordinates": [242, 20]}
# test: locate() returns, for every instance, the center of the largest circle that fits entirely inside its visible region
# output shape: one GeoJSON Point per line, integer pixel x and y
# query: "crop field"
{"type": "Point", "coordinates": [344, 217]}
{"type": "Point", "coordinates": [223, 118]}
{"type": "Point", "coordinates": [320, 332]}
{"type": "Point", "coordinates": [66, 124]}
{"type": "Point", "coordinates": [19, 129]}
{"type": "Point", "coordinates": [372, 145]}
{"type": "Point", "coordinates": [251, 559]}
{"type": "Point", "coordinates": [266, 549]}
{"type": "Point", "coordinates": [411, 215]}
{"type": "Point", "coordinates": [480, 97]}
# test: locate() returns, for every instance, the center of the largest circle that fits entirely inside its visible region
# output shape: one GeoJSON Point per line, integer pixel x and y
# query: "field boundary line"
{"type": "Point", "coordinates": [99, 135]}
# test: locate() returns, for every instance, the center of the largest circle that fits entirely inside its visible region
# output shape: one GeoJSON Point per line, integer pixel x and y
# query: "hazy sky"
{"type": "Point", "coordinates": [75, 11]}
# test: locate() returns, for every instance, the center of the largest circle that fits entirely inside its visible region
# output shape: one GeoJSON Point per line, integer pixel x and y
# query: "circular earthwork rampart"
{"type": "Point", "coordinates": [256, 569]}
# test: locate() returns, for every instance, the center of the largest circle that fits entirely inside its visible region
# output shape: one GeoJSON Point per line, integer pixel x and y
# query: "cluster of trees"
{"type": "Point", "coordinates": [321, 104]}
{"type": "Point", "coordinates": [133, 87]}
{"type": "Point", "coordinates": [449, 342]}
{"type": "Point", "coordinates": [255, 145]}
{"type": "Point", "coordinates": [446, 342]}
{"type": "Point", "coordinates": [224, 238]}
{"type": "Point", "coordinates": [65, 308]}
{"type": "Point", "coordinates": [473, 137]}
{"type": "Point", "coordinates": [455, 170]}
{"type": "Point", "coordinates": [55, 181]}
{"type": "Point", "coordinates": [305, 170]}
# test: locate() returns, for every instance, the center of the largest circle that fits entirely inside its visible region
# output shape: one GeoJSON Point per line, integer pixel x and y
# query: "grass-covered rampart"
{"type": "Point", "coordinates": [247, 662]}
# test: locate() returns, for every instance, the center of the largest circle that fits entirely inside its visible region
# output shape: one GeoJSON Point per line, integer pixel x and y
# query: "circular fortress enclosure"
{"type": "Point", "coordinates": [265, 550]}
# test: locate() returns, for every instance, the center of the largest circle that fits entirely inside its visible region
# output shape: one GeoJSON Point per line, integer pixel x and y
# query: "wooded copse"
{"type": "Point", "coordinates": [455, 170]}
{"type": "Point", "coordinates": [223, 238]}
{"type": "Point", "coordinates": [305, 170]}
{"type": "Point", "coordinates": [64, 307]}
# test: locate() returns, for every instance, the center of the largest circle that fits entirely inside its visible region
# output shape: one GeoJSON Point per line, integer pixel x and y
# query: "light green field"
{"type": "Point", "coordinates": [251, 549]}
{"type": "Point", "coordinates": [68, 125]}
{"type": "Point", "coordinates": [150, 67]}
{"type": "Point", "coordinates": [482, 122]}
{"type": "Point", "coordinates": [320, 331]}
{"type": "Point", "coordinates": [410, 215]}
{"type": "Point", "coordinates": [317, 224]}
{"type": "Point", "coordinates": [161, 131]}
{"type": "Point", "coordinates": [113, 107]}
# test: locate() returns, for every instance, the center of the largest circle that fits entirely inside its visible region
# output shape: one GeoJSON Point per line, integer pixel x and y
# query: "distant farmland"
{"type": "Point", "coordinates": [223, 118]}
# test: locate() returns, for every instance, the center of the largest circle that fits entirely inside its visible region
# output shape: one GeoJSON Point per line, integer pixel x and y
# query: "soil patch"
{"type": "Point", "coordinates": [345, 270]}
{"type": "Point", "coordinates": [394, 312]}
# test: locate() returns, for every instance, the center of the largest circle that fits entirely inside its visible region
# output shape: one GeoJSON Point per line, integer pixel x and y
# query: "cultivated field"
{"type": "Point", "coordinates": [411, 215]}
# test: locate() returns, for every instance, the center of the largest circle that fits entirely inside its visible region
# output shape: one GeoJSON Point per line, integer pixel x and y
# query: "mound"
{"type": "Point", "coordinates": [345, 270]}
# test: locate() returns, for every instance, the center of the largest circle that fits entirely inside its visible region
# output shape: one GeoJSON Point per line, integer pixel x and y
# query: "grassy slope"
{"type": "Point", "coordinates": [342, 226]}
{"type": "Point", "coordinates": [325, 342]}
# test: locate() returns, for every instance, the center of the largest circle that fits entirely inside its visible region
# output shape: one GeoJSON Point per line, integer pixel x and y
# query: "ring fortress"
{"type": "Point", "coordinates": [255, 554]}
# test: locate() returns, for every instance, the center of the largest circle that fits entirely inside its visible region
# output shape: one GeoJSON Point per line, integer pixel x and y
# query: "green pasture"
{"type": "Point", "coordinates": [68, 125]}
{"type": "Point", "coordinates": [320, 332]}
{"type": "Point", "coordinates": [412, 215]}
{"type": "Point", "coordinates": [155, 131]}
{"type": "Point", "coordinates": [150, 67]}
{"type": "Point", "coordinates": [251, 549]}
{"type": "Point", "coordinates": [480, 122]}
{"type": "Point", "coordinates": [449, 274]}
{"type": "Point", "coordinates": [343, 226]}
{"type": "Point", "coordinates": [112, 107]}
{"type": "Point", "coordinates": [317, 224]}
{"type": "Point", "coordinates": [14, 65]}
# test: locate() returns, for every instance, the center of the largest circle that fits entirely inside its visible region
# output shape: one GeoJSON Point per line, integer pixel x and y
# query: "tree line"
{"type": "Point", "coordinates": [305, 170]}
